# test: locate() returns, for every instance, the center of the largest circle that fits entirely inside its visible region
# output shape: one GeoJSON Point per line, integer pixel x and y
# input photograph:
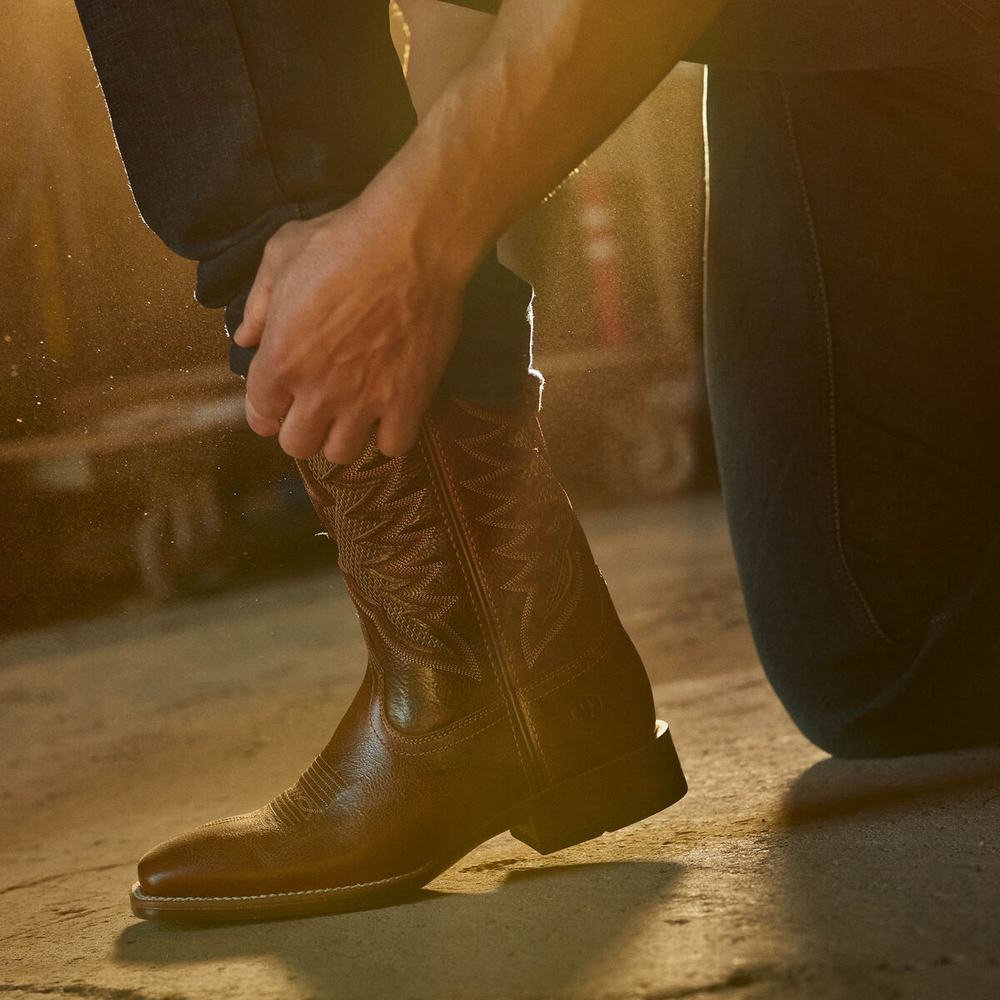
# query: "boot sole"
{"type": "Point", "coordinates": [609, 797]}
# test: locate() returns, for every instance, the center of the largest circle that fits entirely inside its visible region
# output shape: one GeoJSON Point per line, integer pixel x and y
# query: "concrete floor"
{"type": "Point", "coordinates": [782, 874]}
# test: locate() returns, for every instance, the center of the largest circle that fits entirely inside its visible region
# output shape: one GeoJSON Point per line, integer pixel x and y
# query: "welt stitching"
{"type": "Point", "coordinates": [274, 895]}
{"type": "Point", "coordinates": [828, 333]}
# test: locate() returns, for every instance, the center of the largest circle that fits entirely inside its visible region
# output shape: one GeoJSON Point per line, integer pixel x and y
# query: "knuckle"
{"type": "Point", "coordinates": [261, 426]}
{"type": "Point", "coordinates": [388, 394]}
{"type": "Point", "coordinates": [271, 248]}
{"type": "Point", "coordinates": [256, 300]}
{"type": "Point", "coordinates": [263, 407]}
{"type": "Point", "coordinates": [348, 443]}
{"type": "Point", "coordinates": [342, 451]}
{"type": "Point", "coordinates": [253, 315]}
{"type": "Point", "coordinates": [281, 364]}
{"type": "Point", "coordinates": [339, 455]}
{"type": "Point", "coordinates": [295, 447]}
{"type": "Point", "coordinates": [282, 236]}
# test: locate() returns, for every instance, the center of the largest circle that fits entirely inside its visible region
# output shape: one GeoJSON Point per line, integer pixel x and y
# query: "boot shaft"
{"type": "Point", "coordinates": [475, 586]}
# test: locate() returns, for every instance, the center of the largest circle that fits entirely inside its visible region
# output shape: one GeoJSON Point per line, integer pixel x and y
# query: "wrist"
{"type": "Point", "coordinates": [426, 222]}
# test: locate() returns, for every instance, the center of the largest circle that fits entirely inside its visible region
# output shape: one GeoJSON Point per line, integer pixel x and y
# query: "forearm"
{"type": "Point", "coordinates": [554, 78]}
{"type": "Point", "coordinates": [355, 313]}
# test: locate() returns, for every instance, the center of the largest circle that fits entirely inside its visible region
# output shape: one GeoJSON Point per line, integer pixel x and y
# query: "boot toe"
{"type": "Point", "coordinates": [208, 861]}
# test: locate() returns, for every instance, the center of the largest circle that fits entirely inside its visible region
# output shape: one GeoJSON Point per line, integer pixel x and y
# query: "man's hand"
{"type": "Point", "coordinates": [356, 312]}
{"type": "Point", "coordinates": [354, 332]}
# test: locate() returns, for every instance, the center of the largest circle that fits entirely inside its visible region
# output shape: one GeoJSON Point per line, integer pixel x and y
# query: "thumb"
{"type": "Point", "coordinates": [250, 331]}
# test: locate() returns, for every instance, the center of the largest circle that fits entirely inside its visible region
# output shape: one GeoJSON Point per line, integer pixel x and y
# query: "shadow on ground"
{"type": "Point", "coordinates": [539, 928]}
{"type": "Point", "coordinates": [891, 875]}
{"type": "Point", "coordinates": [834, 790]}
{"type": "Point", "coordinates": [875, 881]}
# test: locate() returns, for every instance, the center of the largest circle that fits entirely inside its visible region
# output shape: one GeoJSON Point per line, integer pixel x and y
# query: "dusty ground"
{"type": "Point", "coordinates": [783, 874]}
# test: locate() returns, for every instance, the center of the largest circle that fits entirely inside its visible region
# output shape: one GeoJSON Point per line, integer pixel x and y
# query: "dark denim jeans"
{"type": "Point", "coordinates": [853, 357]}
{"type": "Point", "coordinates": [852, 336]}
{"type": "Point", "coordinates": [236, 116]}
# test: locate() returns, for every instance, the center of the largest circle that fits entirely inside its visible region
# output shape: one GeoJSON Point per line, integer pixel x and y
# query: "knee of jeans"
{"type": "Point", "coordinates": [840, 735]}
{"type": "Point", "coordinates": [835, 697]}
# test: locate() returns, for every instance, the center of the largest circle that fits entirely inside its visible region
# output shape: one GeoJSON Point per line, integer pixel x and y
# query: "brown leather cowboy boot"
{"type": "Point", "coordinates": [501, 692]}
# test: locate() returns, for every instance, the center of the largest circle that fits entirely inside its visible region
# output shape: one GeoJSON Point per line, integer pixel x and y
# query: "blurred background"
{"type": "Point", "coordinates": [126, 473]}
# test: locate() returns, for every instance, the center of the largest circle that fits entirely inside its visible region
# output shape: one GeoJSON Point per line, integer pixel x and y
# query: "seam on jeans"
{"type": "Point", "coordinates": [945, 616]}
{"type": "Point", "coordinates": [973, 16]}
{"type": "Point", "coordinates": [831, 384]}
{"type": "Point", "coordinates": [278, 187]}
{"type": "Point", "coordinates": [948, 614]}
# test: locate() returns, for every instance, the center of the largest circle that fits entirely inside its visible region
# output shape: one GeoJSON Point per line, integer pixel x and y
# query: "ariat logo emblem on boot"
{"type": "Point", "coordinates": [588, 712]}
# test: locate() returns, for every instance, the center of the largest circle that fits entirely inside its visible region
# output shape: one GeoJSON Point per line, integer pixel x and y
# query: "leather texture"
{"type": "Point", "coordinates": [497, 667]}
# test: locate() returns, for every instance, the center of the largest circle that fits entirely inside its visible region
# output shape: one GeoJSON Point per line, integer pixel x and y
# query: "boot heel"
{"type": "Point", "coordinates": [616, 794]}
